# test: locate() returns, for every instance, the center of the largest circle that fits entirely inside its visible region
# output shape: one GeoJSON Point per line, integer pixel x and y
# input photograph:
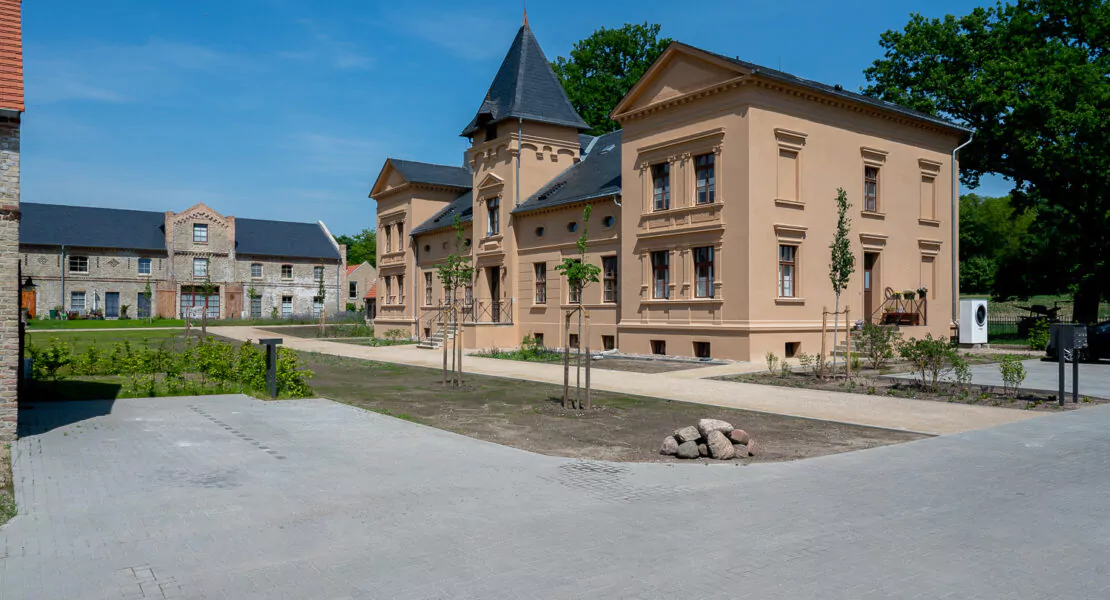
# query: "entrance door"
{"type": "Point", "coordinates": [494, 274]}
{"type": "Point", "coordinates": [111, 305]}
{"type": "Point", "coordinates": [27, 300]}
{"type": "Point", "coordinates": [143, 304]}
{"type": "Point", "coordinates": [870, 259]}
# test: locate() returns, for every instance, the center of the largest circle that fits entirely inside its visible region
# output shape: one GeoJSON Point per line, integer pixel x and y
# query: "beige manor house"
{"type": "Point", "coordinates": [713, 210]}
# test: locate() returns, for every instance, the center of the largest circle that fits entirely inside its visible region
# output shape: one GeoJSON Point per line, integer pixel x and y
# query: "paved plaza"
{"type": "Point", "coordinates": [231, 497]}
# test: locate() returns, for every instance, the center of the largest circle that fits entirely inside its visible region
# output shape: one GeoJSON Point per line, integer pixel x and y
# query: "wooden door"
{"type": "Point", "coordinates": [869, 285]}
{"type": "Point", "coordinates": [27, 300]}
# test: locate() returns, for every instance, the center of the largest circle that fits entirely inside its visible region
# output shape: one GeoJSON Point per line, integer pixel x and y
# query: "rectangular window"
{"type": "Point", "coordinates": [200, 267]}
{"type": "Point", "coordinates": [318, 274]}
{"type": "Point", "coordinates": [352, 290]}
{"type": "Point", "coordinates": [77, 301]}
{"type": "Point", "coordinates": [787, 271]}
{"type": "Point", "coordinates": [468, 294]}
{"type": "Point", "coordinates": [788, 174]}
{"type": "Point", "coordinates": [78, 264]}
{"type": "Point", "coordinates": [661, 185]}
{"type": "Point", "coordinates": [928, 197]}
{"type": "Point", "coordinates": [256, 307]}
{"type": "Point", "coordinates": [400, 289]}
{"type": "Point", "coordinates": [701, 350]}
{"type": "Point", "coordinates": [256, 270]}
{"type": "Point", "coordinates": [703, 272]}
{"type": "Point", "coordinates": [493, 210]}
{"type": "Point", "coordinates": [317, 306]}
{"type": "Point", "coordinates": [400, 235]}
{"type": "Point", "coordinates": [389, 290]}
{"type": "Point", "coordinates": [704, 172]}
{"type": "Point", "coordinates": [609, 274]}
{"type": "Point", "coordinates": [929, 276]}
{"type": "Point", "coordinates": [539, 339]}
{"type": "Point", "coordinates": [389, 238]}
{"type": "Point", "coordinates": [144, 266]}
{"type": "Point", "coordinates": [871, 189]}
{"type": "Point", "coordinates": [608, 342]}
{"type": "Point", "coordinates": [574, 293]}
{"type": "Point", "coordinates": [286, 271]}
{"type": "Point", "coordinates": [659, 347]}
{"type": "Point", "coordinates": [661, 275]}
{"type": "Point", "coordinates": [573, 340]}
{"type": "Point", "coordinates": [286, 306]}
{"type": "Point", "coordinates": [200, 233]}
{"type": "Point", "coordinates": [541, 282]}
{"type": "Point", "coordinates": [428, 288]}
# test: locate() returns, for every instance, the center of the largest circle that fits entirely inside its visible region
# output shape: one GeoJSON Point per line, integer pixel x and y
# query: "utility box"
{"type": "Point", "coordinates": [973, 322]}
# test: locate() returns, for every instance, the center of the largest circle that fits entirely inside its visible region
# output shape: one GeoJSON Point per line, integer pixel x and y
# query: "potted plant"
{"type": "Point", "coordinates": [123, 311]}
{"type": "Point", "coordinates": [921, 292]}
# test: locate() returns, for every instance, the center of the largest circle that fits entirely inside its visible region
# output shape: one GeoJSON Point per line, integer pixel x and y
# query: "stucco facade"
{"type": "Point", "coordinates": [715, 239]}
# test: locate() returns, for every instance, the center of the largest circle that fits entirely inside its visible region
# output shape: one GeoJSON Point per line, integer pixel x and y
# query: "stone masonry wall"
{"type": "Point", "coordinates": [9, 277]}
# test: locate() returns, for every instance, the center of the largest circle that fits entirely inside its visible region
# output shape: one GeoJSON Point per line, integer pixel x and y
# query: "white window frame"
{"type": "Point", "coordinates": [284, 268]}
{"type": "Point", "coordinates": [72, 301]}
{"type": "Point", "coordinates": [199, 228]}
{"type": "Point", "coordinates": [78, 259]}
{"type": "Point", "coordinates": [149, 266]}
{"type": "Point", "coordinates": [203, 272]}
{"type": "Point", "coordinates": [260, 271]}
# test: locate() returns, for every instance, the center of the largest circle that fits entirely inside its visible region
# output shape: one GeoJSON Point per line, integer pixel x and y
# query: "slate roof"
{"type": "Point", "coordinates": [833, 90]}
{"type": "Point", "coordinates": [462, 206]}
{"type": "Point", "coordinates": [420, 172]}
{"type": "Point", "coordinates": [88, 227]}
{"type": "Point", "coordinates": [92, 227]}
{"type": "Point", "coordinates": [597, 175]}
{"type": "Point", "coordinates": [525, 87]}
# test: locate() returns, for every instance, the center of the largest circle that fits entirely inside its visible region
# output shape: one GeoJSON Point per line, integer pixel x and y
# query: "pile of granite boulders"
{"type": "Point", "coordinates": [712, 438]}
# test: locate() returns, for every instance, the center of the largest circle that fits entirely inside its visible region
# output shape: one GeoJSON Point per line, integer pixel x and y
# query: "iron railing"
{"type": "Point", "coordinates": [489, 311]}
{"type": "Point", "coordinates": [897, 310]}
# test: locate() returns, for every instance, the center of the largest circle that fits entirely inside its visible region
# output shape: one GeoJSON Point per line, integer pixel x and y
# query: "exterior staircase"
{"type": "Point", "coordinates": [438, 338]}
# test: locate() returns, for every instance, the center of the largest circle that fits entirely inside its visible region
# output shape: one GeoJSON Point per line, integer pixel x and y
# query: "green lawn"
{"type": "Point", "coordinates": [47, 324]}
{"type": "Point", "coordinates": [79, 341]}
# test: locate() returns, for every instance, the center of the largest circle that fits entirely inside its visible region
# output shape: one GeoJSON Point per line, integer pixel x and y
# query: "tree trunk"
{"type": "Point", "coordinates": [578, 363]}
{"type": "Point", "coordinates": [1086, 299]}
{"type": "Point", "coordinates": [458, 345]}
{"type": "Point", "coordinates": [587, 344]}
{"type": "Point", "coordinates": [443, 328]}
{"type": "Point", "coordinates": [566, 360]}
{"type": "Point", "coordinates": [836, 330]}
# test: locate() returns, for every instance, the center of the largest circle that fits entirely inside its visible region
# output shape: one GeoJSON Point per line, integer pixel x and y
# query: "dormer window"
{"type": "Point", "coordinates": [200, 233]}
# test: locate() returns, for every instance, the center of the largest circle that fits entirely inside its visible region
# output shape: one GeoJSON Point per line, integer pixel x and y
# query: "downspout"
{"type": "Point", "coordinates": [616, 202]}
{"type": "Point", "coordinates": [956, 233]}
{"type": "Point", "coordinates": [519, 149]}
{"type": "Point", "coordinates": [63, 278]}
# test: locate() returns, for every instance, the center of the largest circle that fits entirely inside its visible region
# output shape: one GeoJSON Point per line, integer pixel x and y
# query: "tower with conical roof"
{"type": "Point", "coordinates": [524, 134]}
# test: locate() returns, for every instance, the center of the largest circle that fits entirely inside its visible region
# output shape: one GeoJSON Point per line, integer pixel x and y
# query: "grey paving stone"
{"type": "Point", "coordinates": [152, 498]}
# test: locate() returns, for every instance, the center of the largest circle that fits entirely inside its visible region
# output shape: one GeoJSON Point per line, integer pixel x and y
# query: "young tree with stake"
{"type": "Point", "coordinates": [455, 271]}
{"type": "Point", "coordinates": [843, 262]}
{"type": "Point", "coordinates": [578, 274]}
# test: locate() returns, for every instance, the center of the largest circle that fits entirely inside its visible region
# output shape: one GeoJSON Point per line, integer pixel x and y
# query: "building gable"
{"type": "Point", "coordinates": [679, 71]}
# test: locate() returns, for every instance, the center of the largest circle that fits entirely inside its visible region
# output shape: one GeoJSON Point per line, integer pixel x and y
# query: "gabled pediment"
{"type": "Point", "coordinates": [490, 181]}
{"type": "Point", "coordinates": [679, 71]}
{"type": "Point", "coordinates": [388, 179]}
{"type": "Point", "coordinates": [200, 211]}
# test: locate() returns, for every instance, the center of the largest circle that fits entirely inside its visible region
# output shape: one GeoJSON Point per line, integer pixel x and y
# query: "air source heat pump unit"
{"type": "Point", "coordinates": [973, 321]}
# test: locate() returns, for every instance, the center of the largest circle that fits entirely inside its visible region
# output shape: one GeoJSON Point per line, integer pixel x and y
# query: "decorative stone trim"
{"type": "Point", "coordinates": [873, 157]}
{"type": "Point", "coordinates": [790, 234]}
{"type": "Point", "coordinates": [929, 247]}
{"type": "Point", "coordinates": [790, 140]}
{"type": "Point", "coordinates": [874, 242]}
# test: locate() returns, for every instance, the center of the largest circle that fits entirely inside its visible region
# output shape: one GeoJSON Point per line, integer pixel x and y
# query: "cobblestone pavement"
{"type": "Point", "coordinates": [231, 497]}
{"type": "Point", "coordinates": [859, 409]}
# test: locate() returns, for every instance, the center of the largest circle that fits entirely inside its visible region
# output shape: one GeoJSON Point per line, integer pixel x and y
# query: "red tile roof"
{"type": "Point", "coordinates": [372, 294]}
{"type": "Point", "coordinates": [351, 268]}
{"type": "Point", "coordinates": [11, 55]}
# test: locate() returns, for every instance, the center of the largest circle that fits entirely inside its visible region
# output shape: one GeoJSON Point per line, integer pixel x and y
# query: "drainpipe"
{"type": "Point", "coordinates": [63, 278]}
{"type": "Point", "coordinates": [519, 149]}
{"type": "Point", "coordinates": [956, 233]}
{"type": "Point", "coordinates": [616, 202]}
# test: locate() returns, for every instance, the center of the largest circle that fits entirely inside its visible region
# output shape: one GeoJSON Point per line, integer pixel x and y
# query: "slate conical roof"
{"type": "Point", "coordinates": [525, 87]}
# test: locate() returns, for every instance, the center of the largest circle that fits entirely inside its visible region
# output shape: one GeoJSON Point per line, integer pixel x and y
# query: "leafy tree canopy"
{"type": "Point", "coordinates": [603, 67]}
{"type": "Point", "coordinates": [1032, 78]}
{"type": "Point", "coordinates": [362, 246]}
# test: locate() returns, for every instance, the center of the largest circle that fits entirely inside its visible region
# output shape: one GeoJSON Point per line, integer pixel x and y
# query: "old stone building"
{"type": "Point", "coordinates": [129, 263]}
{"type": "Point", "coordinates": [11, 110]}
{"type": "Point", "coordinates": [713, 211]}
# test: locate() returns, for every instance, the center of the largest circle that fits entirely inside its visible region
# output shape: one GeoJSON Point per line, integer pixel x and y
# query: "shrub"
{"type": "Point", "coordinates": [772, 360]}
{"type": "Point", "coordinates": [805, 361]}
{"type": "Point", "coordinates": [1013, 373]}
{"type": "Point", "coordinates": [46, 362]}
{"type": "Point", "coordinates": [395, 335]}
{"type": "Point", "coordinates": [932, 359]}
{"type": "Point", "coordinates": [784, 368]}
{"type": "Point", "coordinates": [1039, 335]}
{"type": "Point", "coordinates": [351, 307]}
{"type": "Point", "coordinates": [877, 344]}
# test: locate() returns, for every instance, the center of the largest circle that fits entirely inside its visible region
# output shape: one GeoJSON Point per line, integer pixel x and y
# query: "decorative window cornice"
{"type": "Point", "coordinates": [928, 168]}
{"type": "Point", "coordinates": [790, 140]}
{"type": "Point", "coordinates": [873, 157]}
{"type": "Point", "coordinates": [793, 234]}
{"type": "Point", "coordinates": [873, 241]}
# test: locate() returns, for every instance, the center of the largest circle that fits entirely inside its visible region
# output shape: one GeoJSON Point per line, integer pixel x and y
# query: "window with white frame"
{"type": "Point", "coordinates": [286, 307]}
{"type": "Point", "coordinates": [318, 274]}
{"type": "Point", "coordinates": [428, 288]}
{"type": "Point", "coordinates": [703, 272]}
{"type": "Point", "coordinates": [200, 267]}
{"type": "Point", "coordinates": [200, 233]}
{"type": "Point", "coordinates": [256, 270]}
{"type": "Point", "coordinates": [144, 266]}
{"type": "Point", "coordinates": [352, 290]}
{"type": "Point", "coordinates": [77, 301]}
{"type": "Point", "coordinates": [78, 264]}
{"type": "Point", "coordinates": [788, 270]}
{"type": "Point", "coordinates": [286, 271]}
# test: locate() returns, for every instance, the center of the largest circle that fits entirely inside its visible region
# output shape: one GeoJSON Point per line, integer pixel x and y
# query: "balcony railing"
{"type": "Point", "coordinates": [898, 310]}
{"type": "Point", "coordinates": [489, 311]}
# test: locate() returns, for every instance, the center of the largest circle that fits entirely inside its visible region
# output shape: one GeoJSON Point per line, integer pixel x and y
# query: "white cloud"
{"type": "Point", "coordinates": [464, 33]}
{"type": "Point", "coordinates": [328, 48]}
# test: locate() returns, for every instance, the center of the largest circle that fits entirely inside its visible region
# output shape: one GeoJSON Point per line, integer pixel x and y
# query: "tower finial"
{"type": "Point", "coordinates": [525, 13]}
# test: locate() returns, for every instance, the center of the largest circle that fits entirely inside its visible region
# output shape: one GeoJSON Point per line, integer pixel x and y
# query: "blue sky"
{"type": "Point", "coordinates": [286, 110]}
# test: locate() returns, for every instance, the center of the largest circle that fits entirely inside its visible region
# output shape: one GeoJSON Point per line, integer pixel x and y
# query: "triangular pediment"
{"type": "Point", "coordinates": [202, 211]}
{"type": "Point", "coordinates": [490, 180]}
{"type": "Point", "coordinates": [679, 71]}
{"type": "Point", "coordinates": [388, 179]}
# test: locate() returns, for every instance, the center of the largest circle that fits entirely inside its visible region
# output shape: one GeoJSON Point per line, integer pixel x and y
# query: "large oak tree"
{"type": "Point", "coordinates": [1033, 79]}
